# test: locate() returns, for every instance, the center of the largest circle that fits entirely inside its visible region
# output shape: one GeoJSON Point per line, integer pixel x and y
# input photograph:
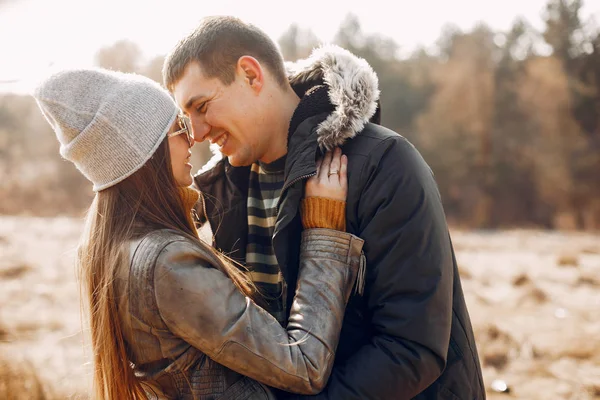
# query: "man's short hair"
{"type": "Point", "coordinates": [217, 44]}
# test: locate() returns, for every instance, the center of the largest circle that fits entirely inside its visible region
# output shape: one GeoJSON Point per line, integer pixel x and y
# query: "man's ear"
{"type": "Point", "coordinates": [251, 71]}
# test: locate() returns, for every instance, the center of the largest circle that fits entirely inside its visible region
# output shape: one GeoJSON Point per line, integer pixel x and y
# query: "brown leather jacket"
{"type": "Point", "coordinates": [192, 335]}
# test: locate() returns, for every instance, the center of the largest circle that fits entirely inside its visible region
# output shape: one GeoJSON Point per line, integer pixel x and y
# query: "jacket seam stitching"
{"type": "Point", "coordinates": [178, 240]}
{"type": "Point", "coordinates": [462, 327]}
{"type": "Point", "coordinates": [146, 278]}
{"type": "Point", "coordinates": [329, 354]}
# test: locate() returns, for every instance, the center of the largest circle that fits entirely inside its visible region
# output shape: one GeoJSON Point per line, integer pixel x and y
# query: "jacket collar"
{"type": "Point", "coordinates": [352, 86]}
{"type": "Point", "coordinates": [353, 91]}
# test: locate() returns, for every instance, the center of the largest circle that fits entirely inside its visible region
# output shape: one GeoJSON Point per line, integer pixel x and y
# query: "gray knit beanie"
{"type": "Point", "coordinates": [108, 123]}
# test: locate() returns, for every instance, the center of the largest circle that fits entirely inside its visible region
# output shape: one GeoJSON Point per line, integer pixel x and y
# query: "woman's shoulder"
{"type": "Point", "coordinates": [162, 254]}
{"type": "Point", "coordinates": [141, 254]}
{"type": "Point", "coordinates": [146, 249]}
{"type": "Point", "coordinates": [159, 237]}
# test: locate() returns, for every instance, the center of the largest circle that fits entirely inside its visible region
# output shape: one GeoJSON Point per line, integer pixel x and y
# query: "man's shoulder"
{"type": "Point", "coordinates": [379, 150]}
{"type": "Point", "coordinates": [375, 140]}
{"type": "Point", "coordinates": [377, 132]}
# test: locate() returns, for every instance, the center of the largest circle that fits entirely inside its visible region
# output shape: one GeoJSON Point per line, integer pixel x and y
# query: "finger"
{"type": "Point", "coordinates": [315, 177]}
{"type": "Point", "coordinates": [335, 163]}
{"type": "Point", "coordinates": [344, 173]}
{"type": "Point", "coordinates": [323, 174]}
{"type": "Point", "coordinates": [318, 166]}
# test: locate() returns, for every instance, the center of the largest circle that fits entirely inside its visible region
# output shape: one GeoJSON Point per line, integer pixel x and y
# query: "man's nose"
{"type": "Point", "coordinates": [200, 129]}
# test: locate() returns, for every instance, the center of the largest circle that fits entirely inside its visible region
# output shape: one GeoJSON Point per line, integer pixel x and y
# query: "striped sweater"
{"type": "Point", "coordinates": [266, 182]}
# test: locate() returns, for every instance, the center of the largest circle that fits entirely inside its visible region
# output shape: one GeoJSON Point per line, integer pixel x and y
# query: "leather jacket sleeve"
{"type": "Point", "coordinates": [200, 304]}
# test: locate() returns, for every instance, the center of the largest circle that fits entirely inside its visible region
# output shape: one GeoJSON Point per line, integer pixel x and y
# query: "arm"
{"type": "Point", "coordinates": [202, 306]}
{"type": "Point", "coordinates": [409, 280]}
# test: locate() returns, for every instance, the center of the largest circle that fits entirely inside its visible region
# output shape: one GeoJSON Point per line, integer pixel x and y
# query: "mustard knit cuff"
{"type": "Point", "coordinates": [321, 212]}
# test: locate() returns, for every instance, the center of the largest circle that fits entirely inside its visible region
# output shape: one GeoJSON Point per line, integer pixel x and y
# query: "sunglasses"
{"type": "Point", "coordinates": [184, 127]}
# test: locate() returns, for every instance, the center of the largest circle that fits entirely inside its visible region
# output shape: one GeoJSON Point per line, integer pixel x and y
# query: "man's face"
{"type": "Point", "coordinates": [229, 116]}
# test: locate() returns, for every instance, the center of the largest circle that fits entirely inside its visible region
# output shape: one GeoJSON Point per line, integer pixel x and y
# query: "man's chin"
{"type": "Point", "coordinates": [236, 162]}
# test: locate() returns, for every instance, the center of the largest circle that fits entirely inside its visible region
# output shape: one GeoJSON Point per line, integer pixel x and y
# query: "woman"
{"type": "Point", "coordinates": [169, 316]}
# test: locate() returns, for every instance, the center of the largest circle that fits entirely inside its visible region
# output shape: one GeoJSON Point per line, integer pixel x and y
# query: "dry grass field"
{"type": "Point", "coordinates": [534, 299]}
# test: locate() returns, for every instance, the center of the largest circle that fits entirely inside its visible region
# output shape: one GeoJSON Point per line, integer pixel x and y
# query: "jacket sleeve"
{"type": "Point", "coordinates": [409, 280]}
{"type": "Point", "coordinates": [199, 304]}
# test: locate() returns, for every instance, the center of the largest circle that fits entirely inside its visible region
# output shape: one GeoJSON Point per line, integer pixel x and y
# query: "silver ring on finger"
{"type": "Point", "coordinates": [332, 173]}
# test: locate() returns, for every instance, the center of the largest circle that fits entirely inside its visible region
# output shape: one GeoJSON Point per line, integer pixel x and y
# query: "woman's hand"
{"type": "Point", "coordinates": [331, 180]}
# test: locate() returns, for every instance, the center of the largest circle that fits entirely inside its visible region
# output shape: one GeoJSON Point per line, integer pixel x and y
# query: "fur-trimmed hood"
{"type": "Point", "coordinates": [352, 87]}
{"type": "Point", "coordinates": [353, 90]}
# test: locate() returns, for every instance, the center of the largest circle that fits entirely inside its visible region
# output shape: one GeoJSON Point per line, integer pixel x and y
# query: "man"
{"type": "Point", "coordinates": [407, 332]}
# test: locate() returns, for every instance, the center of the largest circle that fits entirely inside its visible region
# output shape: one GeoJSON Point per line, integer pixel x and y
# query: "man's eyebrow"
{"type": "Point", "coordinates": [192, 100]}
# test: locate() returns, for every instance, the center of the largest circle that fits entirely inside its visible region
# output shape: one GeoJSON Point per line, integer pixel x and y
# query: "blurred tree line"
{"type": "Point", "coordinates": [508, 121]}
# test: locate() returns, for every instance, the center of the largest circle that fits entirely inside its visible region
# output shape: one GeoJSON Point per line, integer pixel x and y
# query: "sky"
{"type": "Point", "coordinates": [39, 35]}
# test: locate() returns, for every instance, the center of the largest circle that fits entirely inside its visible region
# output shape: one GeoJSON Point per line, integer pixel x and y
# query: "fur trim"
{"type": "Point", "coordinates": [353, 90]}
{"type": "Point", "coordinates": [217, 156]}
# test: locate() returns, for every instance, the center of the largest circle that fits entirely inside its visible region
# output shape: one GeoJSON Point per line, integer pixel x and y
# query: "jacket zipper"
{"type": "Point", "coordinates": [359, 286]}
{"type": "Point", "coordinates": [287, 186]}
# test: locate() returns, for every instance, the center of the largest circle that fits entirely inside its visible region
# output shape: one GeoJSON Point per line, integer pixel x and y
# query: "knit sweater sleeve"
{"type": "Point", "coordinates": [321, 212]}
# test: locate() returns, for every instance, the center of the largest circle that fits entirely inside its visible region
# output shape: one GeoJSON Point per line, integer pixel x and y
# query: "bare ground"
{"type": "Point", "coordinates": [533, 297]}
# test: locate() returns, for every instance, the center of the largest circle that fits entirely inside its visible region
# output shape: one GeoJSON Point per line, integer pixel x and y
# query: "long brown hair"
{"type": "Point", "coordinates": [147, 200]}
